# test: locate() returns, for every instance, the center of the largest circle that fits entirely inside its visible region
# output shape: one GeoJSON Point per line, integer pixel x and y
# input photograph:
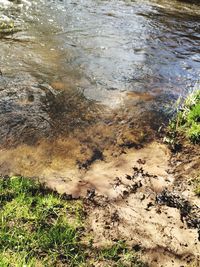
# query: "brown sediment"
{"type": "Point", "coordinates": [121, 193]}
{"type": "Point", "coordinates": [141, 96]}
{"type": "Point", "coordinates": [58, 85]}
{"type": "Point", "coordinates": [155, 205]}
{"type": "Point", "coordinates": [71, 153]}
{"type": "Point", "coordinates": [47, 131]}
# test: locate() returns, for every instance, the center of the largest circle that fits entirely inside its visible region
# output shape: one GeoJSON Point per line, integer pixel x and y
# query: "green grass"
{"type": "Point", "coordinates": [197, 186]}
{"type": "Point", "coordinates": [187, 120]}
{"type": "Point", "coordinates": [34, 226]}
{"type": "Point", "coordinates": [39, 227]}
{"type": "Point", "coordinates": [7, 27]}
{"type": "Point", "coordinates": [120, 253]}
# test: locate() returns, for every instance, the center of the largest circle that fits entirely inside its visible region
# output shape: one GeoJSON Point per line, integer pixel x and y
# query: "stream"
{"type": "Point", "coordinates": [85, 80]}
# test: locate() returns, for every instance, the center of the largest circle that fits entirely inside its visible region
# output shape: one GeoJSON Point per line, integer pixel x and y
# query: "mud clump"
{"type": "Point", "coordinates": [139, 172]}
{"type": "Point", "coordinates": [96, 155]}
{"type": "Point", "coordinates": [174, 201]}
{"type": "Point", "coordinates": [188, 212]}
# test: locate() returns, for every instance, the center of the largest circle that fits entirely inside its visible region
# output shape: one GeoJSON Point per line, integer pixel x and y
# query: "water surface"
{"type": "Point", "coordinates": [86, 80]}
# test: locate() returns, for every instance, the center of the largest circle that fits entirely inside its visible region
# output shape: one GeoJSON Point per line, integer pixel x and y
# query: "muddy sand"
{"type": "Point", "coordinates": [145, 197]}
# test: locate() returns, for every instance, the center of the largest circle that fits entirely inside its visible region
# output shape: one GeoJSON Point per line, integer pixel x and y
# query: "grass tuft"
{"type": "Point", "coordinates": [187, 120]}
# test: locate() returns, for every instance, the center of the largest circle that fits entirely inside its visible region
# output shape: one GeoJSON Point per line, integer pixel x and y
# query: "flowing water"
{"type": "Point", "coordinates": [85, 80]}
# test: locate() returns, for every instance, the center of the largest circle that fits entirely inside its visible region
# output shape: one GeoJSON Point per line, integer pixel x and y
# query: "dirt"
{"type": "Point", "coordinates": [144, 197]}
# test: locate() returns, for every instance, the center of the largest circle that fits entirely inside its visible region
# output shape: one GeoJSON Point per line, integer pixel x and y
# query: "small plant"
{"type": "Point", "coordinates": [187, 120]}
{"type": "Point", "coordinates": [7, 27]}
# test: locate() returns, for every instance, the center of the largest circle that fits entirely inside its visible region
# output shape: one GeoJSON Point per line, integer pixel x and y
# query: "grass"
{"type": "Point", "coordinates": [197, 186]}
{"type": "Point", "coordinates": [121, 255]}
{"type": "Point", "coordinates": [34, 226]}
{"type": "Point", "coordinates": [41, 228]}
{"type": "Point", "coordinates": [7, 27]}
{"type": "Point", "coordinates": [187, 120]}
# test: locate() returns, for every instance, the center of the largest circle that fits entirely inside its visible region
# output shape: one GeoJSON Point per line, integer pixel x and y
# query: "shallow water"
{"type": "Point", "coordinates": [88, 76]}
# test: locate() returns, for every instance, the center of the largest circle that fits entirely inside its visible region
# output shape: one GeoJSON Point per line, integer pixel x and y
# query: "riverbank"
{"type": "Point", "coordinates": [157, 213]}
{"type": "Point", "coordinates": [149, 218]}
{"type": "Point", "coordinates": [141, 208]}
